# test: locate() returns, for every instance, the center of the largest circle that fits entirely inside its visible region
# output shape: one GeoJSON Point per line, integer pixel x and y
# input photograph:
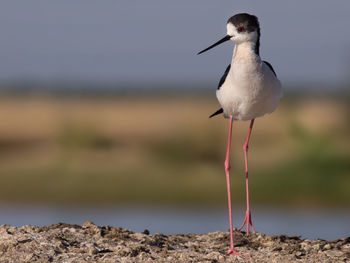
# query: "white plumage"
{"type": "Point", "coordinates": [250, 89]}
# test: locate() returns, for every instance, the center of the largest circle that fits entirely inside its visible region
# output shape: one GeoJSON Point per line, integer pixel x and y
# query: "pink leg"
{"type": "Point", "coordinates": [227, 170]}
{"type": "Point", "coordinates": [248, 216]}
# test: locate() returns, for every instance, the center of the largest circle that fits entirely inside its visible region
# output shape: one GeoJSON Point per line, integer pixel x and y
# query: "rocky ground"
{"type": "Point", "coordinates": [91, 243]}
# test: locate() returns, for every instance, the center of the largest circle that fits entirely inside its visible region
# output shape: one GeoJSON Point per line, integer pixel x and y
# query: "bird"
{"type": "Point", "coordinates": [248, 89]}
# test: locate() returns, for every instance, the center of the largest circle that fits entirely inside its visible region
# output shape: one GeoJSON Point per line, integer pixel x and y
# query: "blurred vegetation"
{"type": "Point", "coordinates": [164, 150]}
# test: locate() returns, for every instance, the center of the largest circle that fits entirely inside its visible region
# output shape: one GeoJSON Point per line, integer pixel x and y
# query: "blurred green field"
{"type": "Point", "coordinates": [165, 150]}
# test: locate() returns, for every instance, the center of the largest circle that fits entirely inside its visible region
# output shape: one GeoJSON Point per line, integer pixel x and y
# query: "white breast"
{"type": "Point", "coordinates": [250, 89]}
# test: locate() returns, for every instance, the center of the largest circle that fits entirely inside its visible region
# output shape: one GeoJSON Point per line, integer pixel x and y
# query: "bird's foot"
{"type": "Point", "coordinates": [248, 221]}
{"type": "Point", "coordinates": [233, 252]}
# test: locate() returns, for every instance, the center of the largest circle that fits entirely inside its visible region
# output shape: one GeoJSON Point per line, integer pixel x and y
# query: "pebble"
{"type": "Point", "coordinates": [334, 253]}
{"type": "Point", "coordinates": [317, 247]}
{"type": "Point", "coordinates": [327, 247]}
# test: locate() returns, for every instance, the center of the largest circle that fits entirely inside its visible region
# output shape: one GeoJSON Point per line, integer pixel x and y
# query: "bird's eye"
{"type": "Point", "coordinates": [240, 29]}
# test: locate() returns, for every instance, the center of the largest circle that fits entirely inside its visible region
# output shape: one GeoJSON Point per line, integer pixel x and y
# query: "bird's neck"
{"type": "Point", "coordinates": [245, 50]}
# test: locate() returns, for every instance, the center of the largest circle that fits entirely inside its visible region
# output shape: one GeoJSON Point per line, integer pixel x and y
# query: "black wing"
{"type": "Point", "coordinates": [270, 66]}
{"type": "Point", "coordinates": [222, 80]}
{"type": "Point", "coordinates": [217, 112]}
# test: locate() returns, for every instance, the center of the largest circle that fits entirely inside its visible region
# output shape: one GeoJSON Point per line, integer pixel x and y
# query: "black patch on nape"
{"type": "Point", "coordinates": [250, 23]}
{"type": "Point", "coordinates": [223, 78]}
{"type": "Point", "coordinates": [270, 66]}
{"type": "Point", "coordinates": [217, 112]}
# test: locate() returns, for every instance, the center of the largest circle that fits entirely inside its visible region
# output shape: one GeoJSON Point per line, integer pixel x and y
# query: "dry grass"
{"type": "Point", "coordinates": [165, 150]}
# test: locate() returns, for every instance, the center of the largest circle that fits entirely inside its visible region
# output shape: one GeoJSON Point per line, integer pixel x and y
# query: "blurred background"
{"type": "Point", "coordinates": [104, 111]}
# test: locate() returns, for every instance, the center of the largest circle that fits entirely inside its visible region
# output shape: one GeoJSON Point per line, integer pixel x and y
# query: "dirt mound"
{"type": "Point", "coordinates": [90, 243]}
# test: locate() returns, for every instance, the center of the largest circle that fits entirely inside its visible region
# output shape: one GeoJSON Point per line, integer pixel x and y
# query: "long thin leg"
{"type": "Point", "coordinates": [248, 216]}
{"type": "Point", "coordinates": [227, 171]}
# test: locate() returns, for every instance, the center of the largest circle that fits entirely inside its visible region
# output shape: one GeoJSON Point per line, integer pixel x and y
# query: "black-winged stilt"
{"type": "Point", "coordinates": [248, 89]}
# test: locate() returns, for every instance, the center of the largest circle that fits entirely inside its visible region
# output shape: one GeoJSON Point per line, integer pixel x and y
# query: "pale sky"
{"type": "Point", "coordinates": [157, 40]}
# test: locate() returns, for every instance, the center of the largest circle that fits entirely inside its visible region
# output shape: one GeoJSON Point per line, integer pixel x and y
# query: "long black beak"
{"type": "Point", "coordinates": [226, 38]}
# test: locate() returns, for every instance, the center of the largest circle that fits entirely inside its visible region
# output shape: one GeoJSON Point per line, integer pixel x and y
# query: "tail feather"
{"type": "Point", "coordinates": [217, 112]}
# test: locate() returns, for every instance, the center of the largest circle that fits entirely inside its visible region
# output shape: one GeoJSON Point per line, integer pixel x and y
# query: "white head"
{"type": "Point", "coordinates": [241, 28]}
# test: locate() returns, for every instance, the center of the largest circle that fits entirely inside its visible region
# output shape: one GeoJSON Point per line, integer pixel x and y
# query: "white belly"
{"type": "Point", "coordinates": [249, 91]}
